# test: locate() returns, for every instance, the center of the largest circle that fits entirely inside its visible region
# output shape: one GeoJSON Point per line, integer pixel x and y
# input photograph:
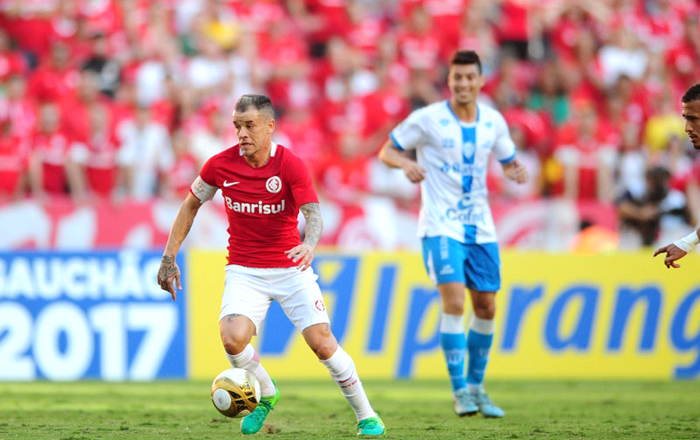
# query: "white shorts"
{"type": "Point", "coordinates": [248, 291]}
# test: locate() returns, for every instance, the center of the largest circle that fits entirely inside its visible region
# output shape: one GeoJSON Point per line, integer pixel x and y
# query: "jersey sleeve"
{"type": "Point", "coordinates": [407, 135]}
{"type": "Point", "coordinates": [204, 186]}
{"type": "Point", "coordinates": [503, 146]}
{"type": "Point", "coordinates": [300, 182]}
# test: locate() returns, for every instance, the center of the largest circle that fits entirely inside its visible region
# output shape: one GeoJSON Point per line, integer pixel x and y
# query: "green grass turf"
{"type": "Point", "coordinates": [316, 409]}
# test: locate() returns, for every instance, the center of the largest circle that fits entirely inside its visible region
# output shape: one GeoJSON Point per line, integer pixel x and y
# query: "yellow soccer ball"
{"type": "Point", "coordinates": [235, 392]}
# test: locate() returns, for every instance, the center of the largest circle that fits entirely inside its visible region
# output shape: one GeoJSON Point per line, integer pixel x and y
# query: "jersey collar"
{"type": "Point", "coordinates": [273, 149]}
{"type": "Point", "coordinates": [459, 121]}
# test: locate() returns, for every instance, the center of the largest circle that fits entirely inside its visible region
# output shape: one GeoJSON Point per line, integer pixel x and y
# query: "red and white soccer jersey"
{"type": "Point", "coordinates": [262, 203]}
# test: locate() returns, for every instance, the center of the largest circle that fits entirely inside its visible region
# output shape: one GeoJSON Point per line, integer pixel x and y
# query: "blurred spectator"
{"type": "Point", "coordinates": [588, 158]}
{"type": "Point", "coordinates": [185, 168]}
{"type": "Point", "coordinates": [11, 60]}
{"type": "Point", "coordinates": [93, 168]}
{"type": "Point", "coordinates": [55, 79]}
{"type": "Point", "coordinates": [665, 123]}
{"type": "Point", "coordinates": [205, 70]}
{"type": "Point", "coordinates": [548, 95]}
{"type": "Point", "coordinates": [632, 164]}
{"type": "Point", "coordinates": [419, 45]}
{"type": "Point", "coordinates": [343, 175]}
{"type": "Point", "coordinates": [283, 62]}
{"type": "Point", "coordinates": [49, 155]}
{"type": "Point", "coordinates": [76, 108]}
{"type": "Point", "coordinates": [659, 211]}
{"type": "Point", "coordinates": [29, 24]}
{"type": "Point", "coordinates": [100, 62]}
{"type": "Point", "coordinates": [585, 74]}
{"type": "Point", "coordinates": [684, 56]}
{"type": "Point", "coordinates": [64, 24]}
{"type": "Point", "coordinates": [145, 154]}
{"type": "Point", "coordinates": [570, 25]}
{"type": "Point", "coordinates": [622, 55]}
{"type": "Point", "coordinates": [14, 155]}
{"type": "Point", "coordinates": [675, 159]}
{"type": "Point", "coordinates": [475, 33]}
{"type": "Point", "coordinates": [214, 136]}
{"type": "Point", "coordinates": [18, 107]}
{"type": "Point", "coordinates": [300, 131]}
{"type": "Point", "coordinates": [513, 27]}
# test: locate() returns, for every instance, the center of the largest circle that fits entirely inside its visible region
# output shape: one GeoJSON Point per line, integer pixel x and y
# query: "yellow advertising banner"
{"type": "Point", "coordinates": [559, 316]}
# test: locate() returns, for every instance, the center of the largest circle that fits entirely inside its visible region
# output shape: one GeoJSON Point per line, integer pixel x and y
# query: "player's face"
{"type": "Point", "coordinates": [465, 81]}
{"type": "Point", "coordinates": [691, 113]}
{"type": "Point", "coordinates": [254, 130]}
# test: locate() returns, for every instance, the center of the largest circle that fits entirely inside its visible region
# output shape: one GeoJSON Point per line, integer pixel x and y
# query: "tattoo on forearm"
{"type": "Point", "coordinates": [314, 223]}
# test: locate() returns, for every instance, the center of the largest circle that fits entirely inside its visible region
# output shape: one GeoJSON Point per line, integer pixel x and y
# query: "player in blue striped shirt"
{"type": "Point", "coordinates": [453, 140]}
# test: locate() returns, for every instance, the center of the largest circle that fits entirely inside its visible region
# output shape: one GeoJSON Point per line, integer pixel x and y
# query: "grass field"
{"type": "Point", "coordinates": [410, 409]}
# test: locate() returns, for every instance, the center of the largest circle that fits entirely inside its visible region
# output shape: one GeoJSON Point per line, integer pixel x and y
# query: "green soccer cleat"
{"type": "Point", "coordinates": [465, 403]}
{"type": "Point", "coordinates": [371, 426]}
{"type": "Point", "coordinates": [254, 421]}
{"type": "Point", "coordinates": [486, 406]}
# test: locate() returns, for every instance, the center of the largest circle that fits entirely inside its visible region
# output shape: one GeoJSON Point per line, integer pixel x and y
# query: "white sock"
{"type": "Point", "coordinates": [342, 370]}
{"type": "Point", "coordinates": [483, 326]}
{"type": "Point", "coordinates": [452, 324]}
{"type": "Point", "coordinates": [248, 360]}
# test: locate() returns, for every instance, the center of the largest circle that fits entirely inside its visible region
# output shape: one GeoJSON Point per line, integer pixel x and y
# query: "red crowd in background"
{"type": "Point", "coordinates": [128, 98]}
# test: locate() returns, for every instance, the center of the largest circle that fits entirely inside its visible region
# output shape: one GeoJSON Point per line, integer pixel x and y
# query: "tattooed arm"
{"type": "Point", "coordinates": [304, 253]}
{"type": "Point", "coordinates": [169, 271]}
{"type": "Point", "coordinates": [314, 223]}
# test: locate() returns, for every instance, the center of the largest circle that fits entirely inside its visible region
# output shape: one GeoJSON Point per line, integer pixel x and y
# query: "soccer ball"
{"type": "Point", "coordinates": [235, 392]}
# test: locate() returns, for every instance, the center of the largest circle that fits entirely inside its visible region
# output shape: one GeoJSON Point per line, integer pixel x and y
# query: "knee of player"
{"type": "Point", "coordinates": [323, 344]}
{"type": "Point", "coordinates": [485, 310]}
{"type": "Point", "coordinates": [234, 343]}
{"type": "Point", "coordinates": [325, 348]}
{"type": "Point", "coordinates": [454, 306]}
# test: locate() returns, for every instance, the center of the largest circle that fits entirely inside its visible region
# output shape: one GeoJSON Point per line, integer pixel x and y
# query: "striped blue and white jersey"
{"type": "Point", "coordinates": [454, 198]}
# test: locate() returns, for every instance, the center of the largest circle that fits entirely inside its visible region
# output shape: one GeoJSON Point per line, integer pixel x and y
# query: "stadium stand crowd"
{"type": "Point", "coordinates": [128, 98]}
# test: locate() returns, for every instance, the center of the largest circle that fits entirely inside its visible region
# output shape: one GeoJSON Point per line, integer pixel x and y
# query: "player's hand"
{"type": "Point", "coordinates": [414, 172]}
{"type": "Point", "coordinates": [303, 254]}
{"type": "Point", "coordinates": [167, 273]}
{"type": "Point", "coordinates": [516, 172]}
{"type": "Point", "coordinates": [673, 253]}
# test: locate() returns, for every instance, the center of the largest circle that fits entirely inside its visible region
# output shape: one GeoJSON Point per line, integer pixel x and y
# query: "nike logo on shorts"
{"type": "Point", "coordinates": [227, 184]}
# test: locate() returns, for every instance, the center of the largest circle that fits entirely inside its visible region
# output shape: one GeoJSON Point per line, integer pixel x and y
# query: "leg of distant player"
{"type": "Point", "coordinates": [454, 344]}
{"type": "Point", "coordinates": [342, 369]}
{"type": "Point", "coordinates": [481, 329]}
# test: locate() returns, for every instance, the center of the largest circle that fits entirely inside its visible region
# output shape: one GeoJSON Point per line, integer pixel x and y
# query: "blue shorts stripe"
{"type": "Point", "coordinates": [478, 266]}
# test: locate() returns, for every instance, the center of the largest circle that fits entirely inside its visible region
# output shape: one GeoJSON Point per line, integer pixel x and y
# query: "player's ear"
{"type": "Point", "coordinates": [270, 126]}
{"type": "Point", "coordinates": [482, 81]}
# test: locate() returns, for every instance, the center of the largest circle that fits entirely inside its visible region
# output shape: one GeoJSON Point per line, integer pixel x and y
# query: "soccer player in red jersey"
{"type": "Point", "coordinates": [691, 113]}
{"type": "Point", "coordinates": [264, 187]}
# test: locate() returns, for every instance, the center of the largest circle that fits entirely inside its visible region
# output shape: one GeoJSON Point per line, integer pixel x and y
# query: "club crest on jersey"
{"type": "Point", "coordinates": [468, 149]}
{"type": "Point", "coordinates": [274, 184]}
